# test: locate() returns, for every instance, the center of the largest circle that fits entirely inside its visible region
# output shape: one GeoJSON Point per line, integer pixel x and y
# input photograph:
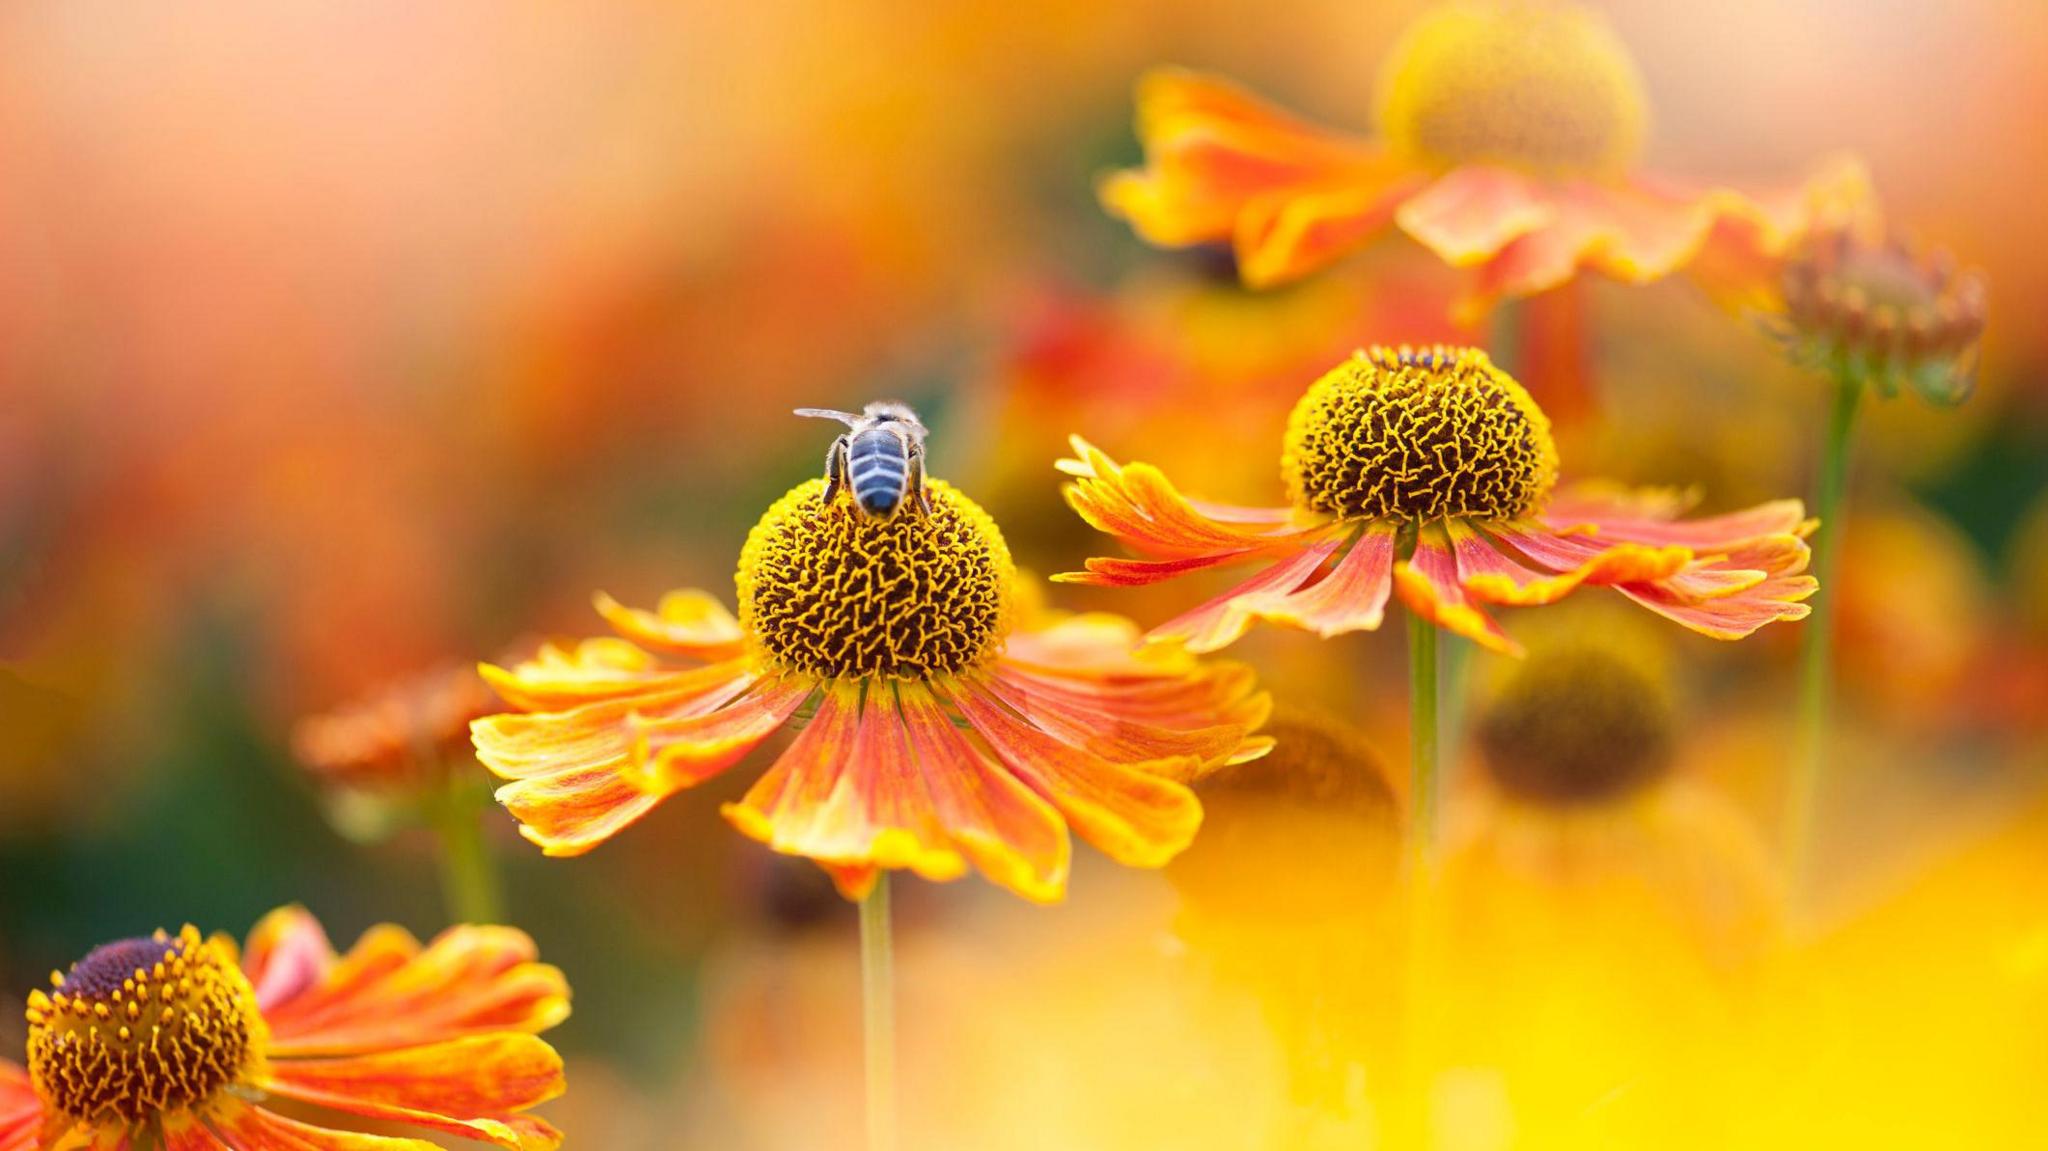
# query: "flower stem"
{"type": "Point", "coordinates": [1422, 734]}
{"type": "Point", "coordinates": [1816, 656]}
{"type": "Point", "coordinates": [469, 883]}
{"type": "Point", "coordinates": [878, 1014]}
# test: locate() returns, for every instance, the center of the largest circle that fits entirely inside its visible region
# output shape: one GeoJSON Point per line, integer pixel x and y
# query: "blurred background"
{"type": "Point", "coordinates": [341, 342]}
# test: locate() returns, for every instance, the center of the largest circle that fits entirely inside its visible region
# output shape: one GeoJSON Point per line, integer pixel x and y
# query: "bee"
{"type": "Point", "coordinates": [881, 460]}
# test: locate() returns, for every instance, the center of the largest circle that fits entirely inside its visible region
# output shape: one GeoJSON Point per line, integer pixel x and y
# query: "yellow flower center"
{"type": "Point", "coordinates": [141, 1027]}
{"type": "Point", "coordinates": [1577, 724]}
{"type": "Point", "coordinates": [1419, 435]}
{"type": "Point", "coordinates": [1541, 85]}
{"type": "Point", "coordinates": [830, 591]}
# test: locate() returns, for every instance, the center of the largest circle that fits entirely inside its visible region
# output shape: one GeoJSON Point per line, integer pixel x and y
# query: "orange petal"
{"type": "Point", "coordinates": [568, 813]}
{"type": "Point", "coordinates": [1558, 563]}
{"type": "Point", "coordinates": [1740, 261]}
{"type": "Point", "coordinates": [1012, 836]}
{"type": "Point", "coordinates": [1211, 148]}
{"type": "Point", "coordinates": [1352, 597]}
{"type": "Point", "coordinates": [1220, 621]}
{"type": "Point", "coordinates": [287, 953]}
{"type": "Point", "coordinates": [1428, 583]}
{"type": "Point", "coordinates": [848, 792]}
{"type": "Point", "coordinates": [390, 992]}
{"type": "Point", "coordinates": [686, 623]}
{"type": "Point", "coordinates": [21, 1111]}
{"type": "Point", "coordinates": [1125, 739]}
{"type": "Point", "coordinates": [516, 745]}
{"type": "Point", "coordinates": [1286, 235]}
{"type": "Point", "coordinates": [183, 1132]}
{"type": "Point", "coordinates": [246, 1128]}
{"type": "Point", "coordinates": [457, 1087]}
{"type": "Point", "coordinates": [1734, 616]}
{"type": "Point", "coordinates": [1135, 817]}
{"type": "Point", "coordinates": [1471, 213]}
{"type": "Point", "coordinates": [669, 754]}
{"type": "Point", "coordinates": [558, 677]}
{"type": "Point", "coordinates": [1138, 505]}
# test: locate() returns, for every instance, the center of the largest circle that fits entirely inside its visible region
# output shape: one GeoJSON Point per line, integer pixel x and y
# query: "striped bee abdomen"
{"type": "Point", "coordinates": [878, 469]}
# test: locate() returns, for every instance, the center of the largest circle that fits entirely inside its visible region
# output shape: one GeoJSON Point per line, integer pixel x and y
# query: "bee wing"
{"type": "Point", "coordinates": [847, 418]}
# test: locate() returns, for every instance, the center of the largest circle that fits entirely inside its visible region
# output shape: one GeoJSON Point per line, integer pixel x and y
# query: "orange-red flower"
{"type": "Point", "coordinates": [180, 1041]}
{"type": "Point", "coordinates": [400, 739]}
{"type": "Point", "coordinates": [949, 726]}
{"type": "Point", "coordinates": [1430, 475]}
{"type": "Point", "coordinates": [1508, 132]}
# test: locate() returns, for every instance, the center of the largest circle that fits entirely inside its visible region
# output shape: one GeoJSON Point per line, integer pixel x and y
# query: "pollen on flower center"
{"type": "Point", "coordinates": [1577, 724]}
{"type": "Point", "coordinates": [142, 1026]}
{"type": "Point", "coordinates": [1419, 435]}
{"type": "Point", "coordinates": [829, 591]}
{"type": "Point", "coordinates": [1542, 85]}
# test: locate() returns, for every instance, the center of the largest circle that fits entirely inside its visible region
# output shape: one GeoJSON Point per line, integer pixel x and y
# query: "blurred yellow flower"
{"type": "Point", "coordinates": [950, 724]}
{"type": "Point", "coordinates": [1508, 137]}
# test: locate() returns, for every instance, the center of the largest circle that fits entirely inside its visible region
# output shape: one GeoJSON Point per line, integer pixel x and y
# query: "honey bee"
{"type": "Point", "coordinates": [880, 460]}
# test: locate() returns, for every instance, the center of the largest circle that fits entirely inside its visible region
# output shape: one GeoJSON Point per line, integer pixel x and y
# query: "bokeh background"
{"type": "Point", "coordinates": [341, 341]}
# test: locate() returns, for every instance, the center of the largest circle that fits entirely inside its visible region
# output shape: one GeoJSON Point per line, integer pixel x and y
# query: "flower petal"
{"type": "Point", "coordinates": [287, 953]}
{"type": "Point", "coordinates": [1125, 739]}
{"type": "Point", "coordinates": [1012, 836]}
{"type": "Point", "coordinates": [1733, 616]}
{"type": "Point", "coordinates": [568, 813]}
{"type": "Point", "coordinates": [669, 754]}
{"type": "Point", "coordinates": [848, 792]}
{"type": "Point", "coordinates": [459, 1087]}
{"type": "Point", "coordinates": [1220, 621]}
{"type": "Point", "coordinates": [184, 1132]}
{"type": "Point", "coordinates": [390, 992]}
{"type": "Point", "coordinates": [1351, 597]}
{"type": "Point", "coordinates": [1285, 235]}
{"type": "Point", "coordinates": [687, 622]}
{"type": "Point", "coordinates": [246, 1128]}
{"type": "Point", "coordinates": [1135, 817]}
{"type": "Point", "coordinates": [1557, 565]}
{"type": "Point", "coordinates": [1211, 148]}
{"type": "Point", "coordinates": [516, 745]}
{"type": "Point", "coordinates": [21, 1111]}
{"type": "Point", "coordinates": [1469, 214]}
{"type": "Point", "coordinates": [1138, 505]}
{"type": "Point", "coordinates": [1428, 583]}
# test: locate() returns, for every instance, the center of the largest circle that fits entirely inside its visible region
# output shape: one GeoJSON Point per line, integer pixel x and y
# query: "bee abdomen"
{"type": "Point", "coordinates": [878, 468]}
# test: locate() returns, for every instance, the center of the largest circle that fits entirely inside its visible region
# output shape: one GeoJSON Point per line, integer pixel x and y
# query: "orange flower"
{"type": "Point", "coordinates": [1430, 475]}
{"type": "Point", "coordinates": [399, 739]}
{"type": "Point", "coordinates": [177, 1041]}
{"type": "Point", "coordinates": [949, 726]}
{"type": "Point", "coordinates": [1508, 136]}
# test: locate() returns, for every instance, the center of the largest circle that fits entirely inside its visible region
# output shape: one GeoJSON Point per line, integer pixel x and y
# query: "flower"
{"type": "Point", "coordinates": [1851, 302]}
{"type": "Point", "coordinates": [949, 724]}
{"type": "Point", "coordinates": [179, 1041]}
{"type": "Point", "coordinates": [398, 739]}
{"type": "Point", "coordinates": [1508, 134]}
{"type": "Point", "coordinates": [1431, 474]}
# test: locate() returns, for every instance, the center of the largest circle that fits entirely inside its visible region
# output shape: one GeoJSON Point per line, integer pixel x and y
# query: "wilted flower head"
{"type": "Point", "coordinates": [181, 1041]}
{"type": "Point", "coordinates": [1432, 474]}
{"type": "Point", "coordinates": [952, 723]}
{"type": "Point", "coordinates": [398, 739]}
{"type": "Point", "coordinates": [1882, 312]}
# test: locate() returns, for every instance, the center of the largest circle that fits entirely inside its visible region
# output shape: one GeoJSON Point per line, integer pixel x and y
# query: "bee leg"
{"type": "Point", "coordinates": [924, 495]}
{"type": "Point", "coordinates": [835, 470]}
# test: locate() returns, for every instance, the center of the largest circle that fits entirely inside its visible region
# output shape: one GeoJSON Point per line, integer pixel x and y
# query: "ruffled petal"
{"type": "Point", "coordinates": [1212, 149]}
{"type": "Point", "coordinates": [1098, 726]}
{"type": "Point", "coordinates": [516, 745]}
{"type": "Point", "coordinates": [1138, 505]}
{"type": "Point", "coordinates": [1012, 836]}
{"type": "Point", "coordinates": [1734, 616]}
{"type": "Point", "coordinates": [1351, 597]}
{"type": "Point", "coordinates": [669, 754]}
{"type": "Point", "coordinates": [1428, 583]}
{"type": "Point", "coordinates": [21, 1111]}
{"type": "Point", "coordinates": [1740, 262]}
{"type": "Point", "coordinates": [246, 1128]}
{"type": "Point", "coordinates": [459, 1087]}
{"type": "Point", "coordinates": [287, 954]}
{"type": "Point", "coordinates": [849, 793]}
{"type": "Point", "coordinates": [687, 623]}
{"type": "Point", "coordinates": [1469, 214]}
{"type": "Point", "coordinates": [389, 992]}
{"type": "Point", "coordinates": [1288, 234]}
{"type": "Point", "coordinates": [1136, 817]}
{"type": "Point", "coordinates": [1220, 621]}
{"type": "Point", "coordinates": [568, 813]}
{"type": "Point", "coordinates": [1556, 563]}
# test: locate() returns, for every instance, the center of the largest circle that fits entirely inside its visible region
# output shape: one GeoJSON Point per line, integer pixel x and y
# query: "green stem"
{"type": "Point", "coordinates": [1423, 780]}
{"type": "Point", "coordinates": [878, 1014]}
{"type": "Point", "coordinates": [469, 882]}
{"type": "Point", "coordinates": [1816, 656]}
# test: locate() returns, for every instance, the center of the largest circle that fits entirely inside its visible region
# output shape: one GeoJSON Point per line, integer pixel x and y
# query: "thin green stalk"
{"type": "Point", "coordinates": [878, 1014]}
{"type": "Point", "coordinates": [1816, 656]}
{"type": "Point", "coordinates": [469, 882]}
{"type": "Point", "coordinates": [1424, 781]}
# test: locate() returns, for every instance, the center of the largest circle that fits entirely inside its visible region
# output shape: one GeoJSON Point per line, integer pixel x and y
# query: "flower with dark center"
{"type": "Point", "coordinates": [181, 1042]}
{"type": "Point", "coordinates": [947, 723]}
{"type": "Point", "coordinates": [1576, 724]}
{"type": "Point", "coordinates": [1430, 474]}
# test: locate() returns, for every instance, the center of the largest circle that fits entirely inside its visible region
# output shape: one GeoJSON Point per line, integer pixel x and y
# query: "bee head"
{"type": "Point", "coordinates": [894, 412]}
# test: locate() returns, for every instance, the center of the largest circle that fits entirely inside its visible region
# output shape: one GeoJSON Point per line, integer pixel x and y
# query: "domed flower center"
{"type": "Point", "coordinates": [1576, 725]}
{"type": "Point", "coordinates": [1897, 312]}
{"type": "Point", "coordinates": [141, 1027]}
{"type": "Point", "coordinates": [1419, 435]}
{"type": "Point", "coordinates": [1541, 85]}
{"type": "Point", "coordinates": [828, 590]}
